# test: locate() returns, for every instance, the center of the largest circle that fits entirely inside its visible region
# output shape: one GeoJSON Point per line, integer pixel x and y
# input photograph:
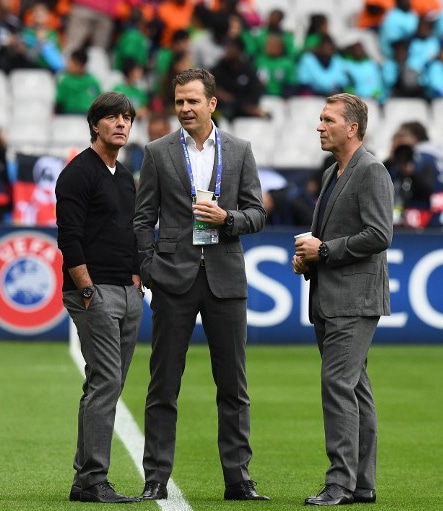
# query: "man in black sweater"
{"type": "Point", "coordinates": [101, 285]}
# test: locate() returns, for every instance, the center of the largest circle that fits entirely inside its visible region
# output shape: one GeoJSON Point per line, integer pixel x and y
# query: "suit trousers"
{"type": "Point", "coordinates": [108, 332]}
{"type": "Point", "coordinates": [224, 323]}
{"type": "Point", "coordinates": [349, 414]}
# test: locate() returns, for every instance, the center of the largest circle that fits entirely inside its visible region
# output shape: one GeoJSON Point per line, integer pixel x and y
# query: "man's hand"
{"type": "Point", "coordinates": [299, 266]}
{"type": "Point", "coordinates": [307, 249]}
{"type": "Point", "coordinates": [207, 211]}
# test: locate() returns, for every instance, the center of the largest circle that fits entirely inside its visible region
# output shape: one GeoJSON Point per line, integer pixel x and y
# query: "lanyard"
{"type": "Point", "coordinates": [189, 167]}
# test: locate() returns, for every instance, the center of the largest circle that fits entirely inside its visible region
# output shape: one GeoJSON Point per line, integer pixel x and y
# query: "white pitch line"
{"type": "Point", "coordinates": [129, 433]}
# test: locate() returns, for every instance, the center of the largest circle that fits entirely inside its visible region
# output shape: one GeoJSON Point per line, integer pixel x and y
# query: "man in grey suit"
{"type": "Point", "coordinates": [345, 260]}
{"type": "Point", "coordinates": [196, 264]}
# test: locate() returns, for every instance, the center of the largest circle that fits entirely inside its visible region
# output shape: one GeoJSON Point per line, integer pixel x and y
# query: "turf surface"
{"type": "Point", "coordinates": [40, 388]}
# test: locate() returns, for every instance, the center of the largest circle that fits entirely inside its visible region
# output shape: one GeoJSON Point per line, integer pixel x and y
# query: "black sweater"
{"type": "Point", "coordinates": [95, 210]}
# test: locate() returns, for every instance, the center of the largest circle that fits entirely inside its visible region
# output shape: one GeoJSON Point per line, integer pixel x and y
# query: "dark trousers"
{"type": "Point", "coordinates": [108, 333]}
{"type": "Point", "coordinates": [224, 323]}
{"type": "Point", "coordinates": [349, 414]}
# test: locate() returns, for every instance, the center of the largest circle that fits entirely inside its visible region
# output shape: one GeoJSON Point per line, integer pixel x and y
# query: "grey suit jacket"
{"type": "Point", "coordinates": [357, 227]}
{"type": "Point", "coordinates": [170, 260]}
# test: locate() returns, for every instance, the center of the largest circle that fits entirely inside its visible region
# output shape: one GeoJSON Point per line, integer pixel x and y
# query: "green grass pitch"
{"type": "Point", "coordinates": [40, 388]}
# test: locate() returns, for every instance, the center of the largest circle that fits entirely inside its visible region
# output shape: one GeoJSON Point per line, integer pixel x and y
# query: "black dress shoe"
{"type": "Point", "coordinates": [243, 491]}
{"type": "Point", "coordinates": [104, 492]}
{"type": "Point", "coordinates": [365, 495]}
{"type": "Point", "coordinates": [75, 493]}
{"type": "Point", "coordinates": [154, 490]}
{"type": "Point", "coordinates": [331, 495]}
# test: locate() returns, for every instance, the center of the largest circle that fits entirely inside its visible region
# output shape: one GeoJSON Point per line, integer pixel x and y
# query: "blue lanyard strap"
{"type": "Point", "coordinates": [189, 166]}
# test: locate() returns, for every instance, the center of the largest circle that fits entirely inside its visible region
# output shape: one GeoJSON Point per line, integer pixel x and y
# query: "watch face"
{"type": "Point", "coordinates": [87, 292]}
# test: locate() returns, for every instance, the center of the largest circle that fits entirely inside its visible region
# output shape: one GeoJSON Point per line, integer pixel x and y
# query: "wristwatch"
{"type": "Point", "coordinates": [323, 251]}
{"type": "Point", "coordinates": [229, 220]}
{"type": "Point", "coordinates": [87, 292]}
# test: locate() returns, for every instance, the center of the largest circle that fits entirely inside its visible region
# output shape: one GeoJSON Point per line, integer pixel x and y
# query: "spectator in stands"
{"type": "Point", "coordinates": [318, 25]}
{"type": "Point", "coordinates": [365, 79]}
{"type": "Point", "coordinates": [413, 179]}
{"type": "Point", "coordinates": [243, 8]}
{"type": "Point", "coordinates": [433, 77]}
{"type": "Point", "coordinates": [165, 99]}
{"type": "Point", "coordinates": [373, 12]}
{"type": "Point", "coordinates": [424, 46]}
{"type": "Point", "coordinates": [238, 87]}
{"type": "Point", "coordinates": [159, 125]}
{"type": "Point", "coordinates": [208, 41]}
{"type": "Point", "coordinates": [275, 68]}
{"type": "Point", "coordinates": [429, 8]}
{"type": "Point", "coordinates": [132, 42]}
{"type": "Point", "coordinates": [90, 21]}
{"type": "Point", "coordinates": [5, 184]}
{"type": "Point", "coordinates": [286, 202]}
{"type": "Point", "coordinates": [426, 152]}
{"type": "Point", "coordinates": [12, 49]}
{"type": "Point", "coordinates": [76, 89]}
{"type": "Point", "coordinates": [43, 43]}
{"type": "Point", "coordinates": [181, 42]}
{"type": "Point", "coordinates": [322, 71]}
{"type": "Point", "coordinates": [174, 15]}
{"type": "Point", "coordinates": [399, 79]}
{"type": "Point", "coordinates": [399, 23]}
{"type": "Point", "coordinates": [132, 87]}
{"type": "Point", "coordinates": [273, 25]}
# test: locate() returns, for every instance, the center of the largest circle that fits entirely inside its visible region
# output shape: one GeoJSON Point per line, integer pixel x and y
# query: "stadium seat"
{"type": "Point", "coordinates": [33, 110]}
{"type": "Point", "coordinates": [35, 84]}
{"type": "Point", "coordinates": [68, 132]}
{"type": "Point", "coordinates": [4, 99]}
{"type": "Point", "coordinates": [297, 146]}
{"type": "Point", "coordinates": [277, 107]}
{"type": "Point", "coordinates": [98, 63]}
{"type": "Point", "coordinates": [28, 137]}
{"type": "Point", "coordinates": [259, 132]}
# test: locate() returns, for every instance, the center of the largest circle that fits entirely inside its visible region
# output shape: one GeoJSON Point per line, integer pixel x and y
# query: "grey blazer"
{"type": "Point", "coordinates": [357, 228]}
{"type": "Point", "coordinates": [170, 260]}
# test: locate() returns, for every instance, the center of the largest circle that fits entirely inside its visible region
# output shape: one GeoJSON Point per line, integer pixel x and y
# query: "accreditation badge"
{"type": "Point", "coordinates": [204, 233]}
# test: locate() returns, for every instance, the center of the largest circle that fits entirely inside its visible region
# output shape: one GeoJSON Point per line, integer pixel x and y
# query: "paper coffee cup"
{"type": "Point", "coordinates": [303, 235]}
{"type": "Point", "coordinates": [204, 195]}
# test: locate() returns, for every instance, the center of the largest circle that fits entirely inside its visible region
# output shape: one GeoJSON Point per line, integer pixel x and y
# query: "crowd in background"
{"type": "Point", "coordinates": [251, 56]}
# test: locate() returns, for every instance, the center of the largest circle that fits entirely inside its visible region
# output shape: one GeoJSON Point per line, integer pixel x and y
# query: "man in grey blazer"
{"type": "Point", "coordinates": [196, 264]}
{"type": "Point", "coordinates": [345, 260]}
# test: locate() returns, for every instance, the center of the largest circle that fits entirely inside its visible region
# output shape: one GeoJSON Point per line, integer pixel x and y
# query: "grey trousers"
{"type": "Point", "coordinates": [224, 322]}
{"type": "Point", "coordinates": [349, 415]}
{"type": "Point", "coordinates": [108, 332]}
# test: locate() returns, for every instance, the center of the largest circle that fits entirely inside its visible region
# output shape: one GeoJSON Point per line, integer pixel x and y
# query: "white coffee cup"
{"type": "Point", "coordinates": [303, 235]}
{"type": "Point", "coordinates": [204, 195]}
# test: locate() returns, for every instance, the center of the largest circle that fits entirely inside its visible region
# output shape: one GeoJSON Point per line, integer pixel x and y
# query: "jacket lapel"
{"type": "Point", "coordinates": [179, 163]}
{"type": "Point", "coordinates": [341, 182]}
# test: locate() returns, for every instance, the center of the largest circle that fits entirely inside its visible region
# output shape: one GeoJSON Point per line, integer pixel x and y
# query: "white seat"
{"type": "Point", "coordinates": [277, 107]}
{"type": "Point", "coordinates": [32, 110]}
{"type": "Point", "coordinates": [69, 131]}
{"type": "Point", "coordinates": [32, 84]}
{"type": "Point", "coordinates": [298, 146]}
{"type": "Point", "coordinates": [28, 136]}
{"type": "Point", "coordinates": [98, 63]}
{"type": "Point", "coordinates": [436, 121]}
{"type": "Point", "coordinates": [112, 78]}
{"type": "Point", "coordinates": [306, 110]}
{"type": "Point", "coordinates": [260, 133]}
{"type": "Point", "coordinates": [406, 109]}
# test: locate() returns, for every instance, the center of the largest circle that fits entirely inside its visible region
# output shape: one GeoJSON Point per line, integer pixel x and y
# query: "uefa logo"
{"type": "Point", "coordinates": [30, 283]}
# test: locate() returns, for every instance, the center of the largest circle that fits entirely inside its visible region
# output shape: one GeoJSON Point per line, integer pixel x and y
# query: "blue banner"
{"type": "Point", "coordinates": [31, 306]}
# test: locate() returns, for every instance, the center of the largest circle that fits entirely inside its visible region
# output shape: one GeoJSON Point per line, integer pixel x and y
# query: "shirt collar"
{"type": "Point", "coordinates": [209, 140]}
